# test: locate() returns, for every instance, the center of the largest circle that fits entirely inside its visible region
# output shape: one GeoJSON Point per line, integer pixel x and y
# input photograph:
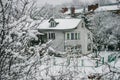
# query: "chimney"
{"type": "Point", "coordinates": [97, 5]}
{"type": "Point", "coordinates": [92, 7]}
{"type": "Point", "coordinates": [72, 10]}
{"type": "Point", "coordinates": [89, 7]}
{"type": "Point", "coordinates": [64, 10]}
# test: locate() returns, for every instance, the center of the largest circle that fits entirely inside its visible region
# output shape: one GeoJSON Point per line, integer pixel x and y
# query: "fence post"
{"type": "Point", "coordinates": [102, 60]}
{"type": "Point", "coordinates": [96, 63]}
{"type": "Point", "coordinates": [109, 58]}
{"type": "Point", "coordinates": [68, 61]}
{"type": "Point", "coordinates": [82, 62]}
{"type": "Point", "coordinates": [54, 60]}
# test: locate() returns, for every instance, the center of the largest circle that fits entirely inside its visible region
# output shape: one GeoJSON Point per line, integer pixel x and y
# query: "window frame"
{"type": "Point", "coordinates": [73, 36]}
{"type": "Point", "coordinates": [51, 35]}
{"type": "Point", "coordinates": [78, 36]}
{"type": "Point", "coordinates": [82, 25]}
{"type": "Point", "coordinates": [68, 36]}
{"type": "Point", "coordinates": [52, 24]}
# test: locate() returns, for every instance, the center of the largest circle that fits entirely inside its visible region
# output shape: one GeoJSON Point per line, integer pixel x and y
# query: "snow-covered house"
{"type": "Point", "coordinates": [67, 34]}
{"type": "Point", "coordinates": [110, 8]}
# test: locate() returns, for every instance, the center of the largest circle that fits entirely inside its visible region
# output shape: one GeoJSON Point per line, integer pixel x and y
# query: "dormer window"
{"type": "Point", "coordinates": [82, 25]}
{"type": "Point", "coordinates": [52, 22]}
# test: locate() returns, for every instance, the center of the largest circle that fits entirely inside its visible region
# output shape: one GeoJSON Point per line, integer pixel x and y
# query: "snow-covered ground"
{"type": "Point", "coordinates": [79, 68]}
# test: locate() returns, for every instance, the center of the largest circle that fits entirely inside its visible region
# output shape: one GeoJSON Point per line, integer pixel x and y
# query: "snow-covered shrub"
{"type": "Point", "coordinates": [19, 56]}
{"type": "Point", "coordinates": [105, 29]}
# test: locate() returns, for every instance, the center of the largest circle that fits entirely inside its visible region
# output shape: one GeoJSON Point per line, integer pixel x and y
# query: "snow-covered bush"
{"type": "Point", "coordinates": [19, 55]}
{"type": "Point", "coordinates": [106, 29]}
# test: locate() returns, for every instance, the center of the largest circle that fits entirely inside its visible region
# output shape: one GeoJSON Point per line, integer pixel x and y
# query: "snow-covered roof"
{"type": "Point", "coordinates": [107, 8]}
{"type": "Point", "coordinates": [63, 24]}
{"type": "Point", "coordinates": [76, 11]}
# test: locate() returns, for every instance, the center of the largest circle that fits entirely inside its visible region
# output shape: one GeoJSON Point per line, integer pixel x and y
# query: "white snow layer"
{"type": "Point", "coordinates": [62, 24]}
{"type": "Point", "coordinates": [107, 8]}
{"type": "Point", "coordinates": [76, 11]}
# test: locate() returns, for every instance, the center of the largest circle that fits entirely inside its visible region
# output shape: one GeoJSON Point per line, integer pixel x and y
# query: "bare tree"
{"type": "Point", "coordinates": [18, 35]}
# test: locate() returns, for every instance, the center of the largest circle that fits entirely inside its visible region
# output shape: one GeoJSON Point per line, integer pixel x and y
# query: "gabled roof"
{"type": "Point", "coordinates": [107, 8]}
{"type": "Point", "coordinates": [76, 11]}
{"type": "Point", "coordinates": [64, 24]}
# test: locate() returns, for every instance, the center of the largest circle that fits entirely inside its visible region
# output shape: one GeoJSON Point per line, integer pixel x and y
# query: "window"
{"type": "Point", "coordinates": [68, 36]}
{"type": "Point", "coordinates": [52, 24]}
{"type": "Point", "coordinates": [73, 36]}
{"type": "Point", "coordinates": [51, 35]}
{"type": "Point", "coordinates": [76, 36]}
{"type": "Point", "coordinates": [82, 25]}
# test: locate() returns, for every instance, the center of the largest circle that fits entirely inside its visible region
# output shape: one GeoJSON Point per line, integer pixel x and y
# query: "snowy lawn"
{"type": "Point", "coordinates": [77, 67]}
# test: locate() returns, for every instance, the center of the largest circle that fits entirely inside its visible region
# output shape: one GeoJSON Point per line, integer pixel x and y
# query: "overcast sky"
{"type": "Point", "coordinates": [58, 2]}
{"type": "Point", "coordinates": [53, 2]}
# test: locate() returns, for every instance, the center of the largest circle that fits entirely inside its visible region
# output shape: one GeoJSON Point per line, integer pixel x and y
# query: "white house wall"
{"type": "Point", "coordinates": [58, 42]}
{"type": "Point", "coordinates": [61, 39]}
{"type": "Point", "coordinates": [83, 38]}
